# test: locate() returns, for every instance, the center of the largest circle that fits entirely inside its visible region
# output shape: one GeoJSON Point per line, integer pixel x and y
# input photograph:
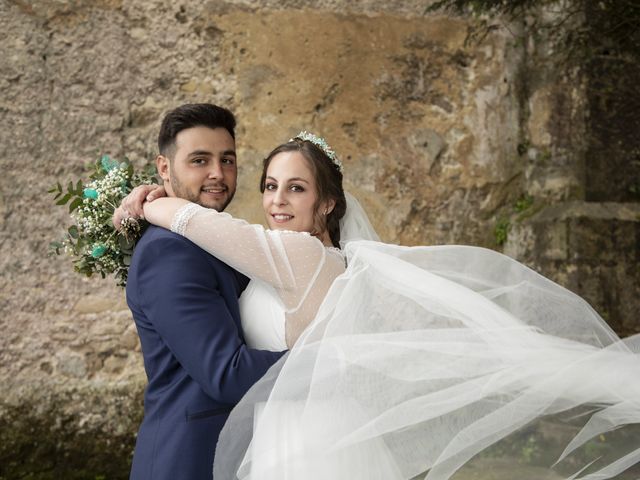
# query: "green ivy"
{"type": "Point", "coordinates": [523, 203]}
{"type": "Point", "coordinates": [501, 231]}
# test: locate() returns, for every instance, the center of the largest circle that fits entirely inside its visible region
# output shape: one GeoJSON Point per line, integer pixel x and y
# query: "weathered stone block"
{"type": "Point", "coordinates": [591, 248]}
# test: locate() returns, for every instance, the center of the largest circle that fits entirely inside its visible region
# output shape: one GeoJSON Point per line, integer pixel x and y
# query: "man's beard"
{"type": "Point", "coordinates": [195, 196]}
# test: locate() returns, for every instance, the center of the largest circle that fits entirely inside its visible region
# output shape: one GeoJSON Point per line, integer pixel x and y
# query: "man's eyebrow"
{"type": "Point", "coordinates": [200, 152]}
{"type": "Point", "coordinates": [209, 154]}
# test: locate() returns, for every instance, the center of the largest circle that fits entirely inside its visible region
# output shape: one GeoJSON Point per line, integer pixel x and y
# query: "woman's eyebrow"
{"type": "Point", "coordinates": [294, 179]}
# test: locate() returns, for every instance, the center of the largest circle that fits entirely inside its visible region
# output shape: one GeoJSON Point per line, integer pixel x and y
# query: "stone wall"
{"type": "Point", "coordinates": [578, 221]}
{"type": "Point", "coordinates": [440, 140]}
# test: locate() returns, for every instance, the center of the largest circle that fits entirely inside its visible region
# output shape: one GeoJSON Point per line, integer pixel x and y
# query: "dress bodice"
{"type": "Point", "coordinates": [262, 316]}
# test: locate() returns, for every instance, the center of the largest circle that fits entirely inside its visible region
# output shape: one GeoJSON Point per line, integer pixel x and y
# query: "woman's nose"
{"type": "Point", "coordinates": [279, 198]}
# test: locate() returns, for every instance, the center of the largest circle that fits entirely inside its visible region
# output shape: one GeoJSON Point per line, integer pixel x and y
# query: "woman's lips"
{"type": "Point", "coordinates": [281, 217]}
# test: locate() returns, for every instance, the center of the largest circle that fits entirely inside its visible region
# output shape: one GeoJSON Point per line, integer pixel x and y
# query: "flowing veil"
{"type": "Point", "coordinates": [424, 360]}
{"type": "Point", "coordinates": [355, 224]}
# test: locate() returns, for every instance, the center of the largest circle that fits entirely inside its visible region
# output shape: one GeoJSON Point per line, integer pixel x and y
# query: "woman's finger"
{"type": "Point", "coordinates": [133, 202]}
{"type": "Point", "coordinates": [131, 205]}
{"type": "Point", "coordinates": [157, 192]}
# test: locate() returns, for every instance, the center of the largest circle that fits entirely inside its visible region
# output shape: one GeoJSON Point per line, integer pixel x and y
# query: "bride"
{"type": "Point", "coordinates": [409, 361]}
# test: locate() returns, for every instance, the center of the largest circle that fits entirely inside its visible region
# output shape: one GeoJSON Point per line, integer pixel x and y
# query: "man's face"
{"type": "Point", "coordinates": [203, 168]}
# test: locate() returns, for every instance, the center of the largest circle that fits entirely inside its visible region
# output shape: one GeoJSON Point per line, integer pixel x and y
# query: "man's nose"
{"type": "Point", "coordinates": [215, 169]}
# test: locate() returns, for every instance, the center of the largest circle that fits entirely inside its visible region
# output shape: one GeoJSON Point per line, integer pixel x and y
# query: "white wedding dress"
{"type": "Point", "coordinates": [417, 360]}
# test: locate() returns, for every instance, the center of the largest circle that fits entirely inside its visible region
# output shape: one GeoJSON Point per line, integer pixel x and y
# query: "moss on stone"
{"type": "Point", "coordinates": [45, 442]}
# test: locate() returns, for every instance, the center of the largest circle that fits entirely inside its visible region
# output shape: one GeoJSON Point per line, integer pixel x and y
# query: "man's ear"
{"type": "Point", "coordinates": [162, 165]}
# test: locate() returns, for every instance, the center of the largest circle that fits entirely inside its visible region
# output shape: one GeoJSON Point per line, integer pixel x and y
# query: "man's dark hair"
{"type": "Point", "coordinates": [192, 115]}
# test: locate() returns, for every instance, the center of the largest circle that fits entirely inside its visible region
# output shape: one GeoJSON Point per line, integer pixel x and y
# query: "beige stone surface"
{"type": "Point", "coordinates": [439, 140]}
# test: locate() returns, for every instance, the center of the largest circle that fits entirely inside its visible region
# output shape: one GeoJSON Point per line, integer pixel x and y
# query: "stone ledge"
{"type": "Point", "coordinates": [627, 212]}
{"type": "Point", "coordinates": [576, 230]}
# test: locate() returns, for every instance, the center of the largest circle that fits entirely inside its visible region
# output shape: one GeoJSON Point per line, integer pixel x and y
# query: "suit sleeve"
{"type": "Point", "coordinates": [179, 290]}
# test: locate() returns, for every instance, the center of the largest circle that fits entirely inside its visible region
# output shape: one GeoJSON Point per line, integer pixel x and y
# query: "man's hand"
{"type": "Point", "coordinates": [131, 205]}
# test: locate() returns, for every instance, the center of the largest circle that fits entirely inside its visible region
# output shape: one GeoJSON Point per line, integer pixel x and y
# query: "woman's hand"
{"type": "Point", "coordinates": [132, 205]}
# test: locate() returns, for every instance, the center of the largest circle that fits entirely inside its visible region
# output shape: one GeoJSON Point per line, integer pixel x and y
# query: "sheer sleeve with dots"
{"type": "Point", "coordinates": [296, 264]}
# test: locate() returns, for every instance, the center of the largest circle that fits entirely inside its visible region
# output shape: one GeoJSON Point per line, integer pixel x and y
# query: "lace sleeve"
{"type": "Point", "coordinates": [182, 217]}
{"type": "Point", "coordinates": [290, 261]}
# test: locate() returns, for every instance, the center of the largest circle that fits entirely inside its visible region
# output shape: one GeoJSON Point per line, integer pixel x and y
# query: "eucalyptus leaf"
{"type": "Point", "coordinates": [64, 199]}
{"type": "Point", "coordinates": [75, 204]}
{"type": "Point", "coordinates": [125, 243]}
{"type": "Point", "coordinates": [55, 246]}
{"type": "Point", "coordinates": [150, 169]}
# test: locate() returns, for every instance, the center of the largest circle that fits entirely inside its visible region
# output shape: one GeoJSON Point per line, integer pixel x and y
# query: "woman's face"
{"type": "Point", "coordinates": [290, 193]}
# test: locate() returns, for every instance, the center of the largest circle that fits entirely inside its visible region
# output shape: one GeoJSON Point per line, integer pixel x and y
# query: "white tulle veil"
{"type": "Point", "coordinates": [355, 224]}
{"type": "Point", "coordinates": [425, 360]}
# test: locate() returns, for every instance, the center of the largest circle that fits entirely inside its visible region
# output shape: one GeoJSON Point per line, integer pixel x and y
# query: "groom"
{"type": "Point", "coordinates": [185, 306]}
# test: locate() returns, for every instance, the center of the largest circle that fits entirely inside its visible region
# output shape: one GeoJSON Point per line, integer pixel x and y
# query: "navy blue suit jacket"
{"type": "Point", "coordinates": [185, 306]}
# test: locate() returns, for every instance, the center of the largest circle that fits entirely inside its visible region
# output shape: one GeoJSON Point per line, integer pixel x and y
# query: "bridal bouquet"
{"type": "Point", "coordinates": [93, 242]}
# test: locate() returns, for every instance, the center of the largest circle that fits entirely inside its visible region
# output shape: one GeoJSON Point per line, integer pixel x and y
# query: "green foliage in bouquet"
{"type": "Point", "coordinates": [95, 245]}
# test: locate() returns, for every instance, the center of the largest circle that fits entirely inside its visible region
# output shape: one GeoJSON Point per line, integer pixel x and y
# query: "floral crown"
{"type": "Point", "coordinates": [322, 145]}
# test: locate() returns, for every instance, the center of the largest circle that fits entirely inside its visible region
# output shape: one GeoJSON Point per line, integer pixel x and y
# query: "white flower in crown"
{"type": "Point", "coordinates": [322, 145]}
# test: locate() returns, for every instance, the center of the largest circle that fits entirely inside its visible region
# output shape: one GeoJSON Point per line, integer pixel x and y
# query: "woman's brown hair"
{"type": "Point", "coordinates": [328, 178]}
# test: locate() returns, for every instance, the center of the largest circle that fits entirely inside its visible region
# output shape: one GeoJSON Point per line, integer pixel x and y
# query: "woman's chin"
{"type": "Point", "coordinates": [280, 224]}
